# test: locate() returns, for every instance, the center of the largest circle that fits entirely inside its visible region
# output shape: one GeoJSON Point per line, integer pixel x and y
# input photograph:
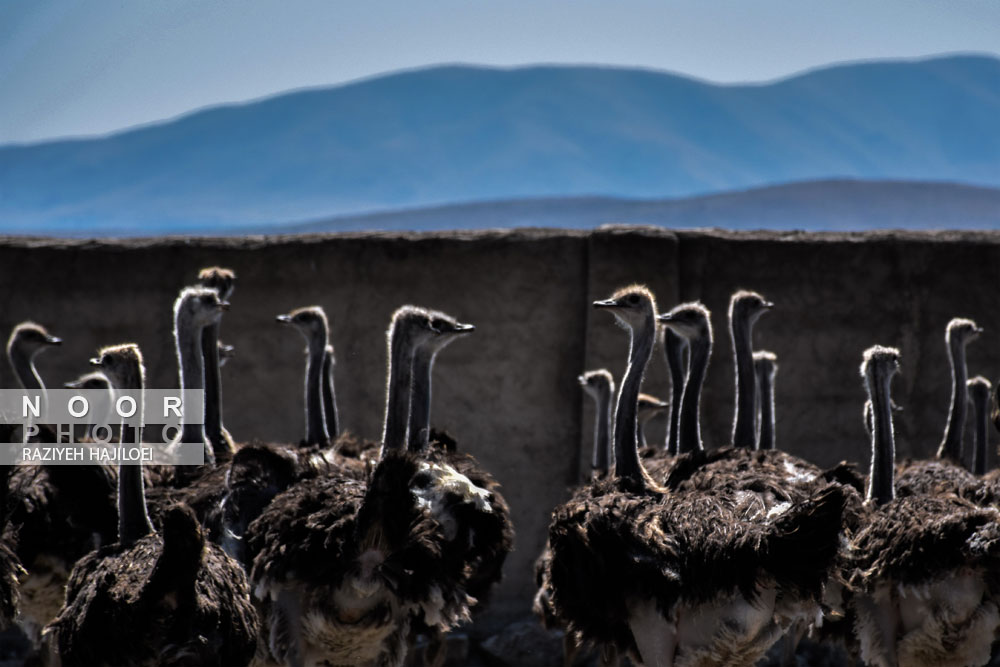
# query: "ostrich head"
{"type": "Point", "coordinates": [649, 407]}
{"type": "Point", "coordinates": [446, 329]}
{"type": "Point", "coordinates": [221, 280]}
{"type": "Point", "coordinates": [597, 383]}
{"type": "Point", "coordinates": [29, 338]}
{"type": "Point", "coordinates": [748, 306]}
{"type": "Point", "coordinates": [95, 380]}
{"type": "Point", "coordinates": [631, 305]}
{"type": "Point", "coordinates": [765, 363]}
{"type": "Point", "coordinates": [690, 320]}
{"type": "Point", "coordinates": [122, 365]}
{"type": "Point", "coordinates": [962, 331]}
{"type": "Point", "coordinates": [880, 364]}
{"type": "Point", "coordinates": [199, 306]}
{"type": "Point", "coordinates": [310, 321]}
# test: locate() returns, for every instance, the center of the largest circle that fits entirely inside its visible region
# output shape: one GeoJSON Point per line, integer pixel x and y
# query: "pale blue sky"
{"type": "Point", "coordinates": [75, 67]}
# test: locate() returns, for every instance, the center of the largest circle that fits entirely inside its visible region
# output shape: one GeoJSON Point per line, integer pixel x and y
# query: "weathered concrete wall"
{"type": "Point", "coordinates": [509, 392]}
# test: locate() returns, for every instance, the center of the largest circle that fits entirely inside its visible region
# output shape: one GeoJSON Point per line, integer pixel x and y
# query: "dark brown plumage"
{"type": "Point", "coordinates": [169, 599]}
{"type": "Point", "coordinates": [923, 566]}
{"type": "Point", "coordinates": [186, 600]}
{"type": "Point", "coordinates": [366, 558]}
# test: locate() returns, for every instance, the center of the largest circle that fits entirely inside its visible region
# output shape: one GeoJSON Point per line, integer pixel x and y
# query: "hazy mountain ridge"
{"type": "Point", "coordinates": [462, 134]}
{"type": "Point", "coordinates": [815, 205]}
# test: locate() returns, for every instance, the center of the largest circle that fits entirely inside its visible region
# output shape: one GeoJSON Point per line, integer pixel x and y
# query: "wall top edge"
{"type": "Point", "coordinates": [522, 234]}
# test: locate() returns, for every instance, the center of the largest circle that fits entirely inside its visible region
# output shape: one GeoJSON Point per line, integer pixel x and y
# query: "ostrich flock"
{"type": "Point", "coordinates": [340, 551]}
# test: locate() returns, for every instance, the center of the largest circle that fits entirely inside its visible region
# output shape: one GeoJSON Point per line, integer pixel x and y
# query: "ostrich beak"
{"type": "Point", "coordinates": [465, 328]}
{"type": "Point", "coordinates": [606, 303]}
{"type": "Point", "coordinates": [52, 340]}
{"type": "Point", "coordinates": [284, 319]}
{"type": "Point", "coordinates": [665, 317]}
{"type": "Point", "coordinates": [95, 362]}
{"type": "Point", "coordinates": [769, 305]}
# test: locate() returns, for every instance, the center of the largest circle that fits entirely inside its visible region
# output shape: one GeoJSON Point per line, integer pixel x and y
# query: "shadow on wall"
{"type": "Point", "coordinates": [509, 392]}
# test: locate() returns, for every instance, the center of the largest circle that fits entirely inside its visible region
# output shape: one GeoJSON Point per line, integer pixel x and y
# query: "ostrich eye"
{"type": "Point", "coordinates": [633, 299]}
{"type": "Point", "coordinates": [439, 324]}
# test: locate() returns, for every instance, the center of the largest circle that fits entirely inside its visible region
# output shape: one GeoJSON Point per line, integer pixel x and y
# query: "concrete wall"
{"type": "Point", "coordinates": [509, 392]}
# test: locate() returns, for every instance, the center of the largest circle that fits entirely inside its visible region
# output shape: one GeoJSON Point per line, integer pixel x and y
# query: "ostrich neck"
{"type": "Point", "coordinates": [674, 349]}
{"type": "Point", "coordinates": [316, 433]}
{"type": "Point", "coordinates": [880, 479]}
{"type": "Point", "coordinates": [330, 397]}
{"type": "Point", "coordinates": [689, 439]}
{"type": "Point", "coordinates": [420, 403]}
{"type": "Point", "coordinates": [981, 451]}
{"type": "Point", "coordinates": [192, 372]}
{"type": "Point", "coordinates": [24, 369]}
{"type": "Point", "coordinates": [743, 428]}
{"type": "Point", "coordinates": [951, 446]}
{"type": "Point", "coordinates": [213, 392]}
{"type": "Point", "coordinates": [627, 415]}
{"type": "Point", "coordinates": [133, 520]}
{"type": "Point", "coordinates": [602, 433]}
{"type": "Point", "coordinates": [766, 413]}
{"type": "Point", "coordinates": [397, 400]}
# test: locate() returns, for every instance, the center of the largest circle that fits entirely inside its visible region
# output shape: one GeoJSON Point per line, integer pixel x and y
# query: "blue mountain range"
{"type": "Point", "coordinates": [459, 134]}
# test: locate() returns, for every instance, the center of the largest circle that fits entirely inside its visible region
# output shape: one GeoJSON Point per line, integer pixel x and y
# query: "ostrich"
{"type": "Point", "coordinates": [330, 395]}
{"type": "Point", "coordinates": [744, 310]}
{"type": "Point", "coordinates": [195, 309]}
{"type": "Point", "coordinates": [222, 281]}
{"type": "Point", "coordinates": [778, 480]}
{"type": "Point", "coordinates": [673, 350]}
{"type": "Point", "coordinates": [463, 497]}
{"type": "Point", "coordinates": [152, 599]}
{"type": "Point", "coordinates": [95, 381]}
{"type": "Point", "coordinates": [27, 341]}
{"type": "Point", "coordinates": [649, 571]}
{"type": "Point", "coordinates": [920, 565]}
{"type": "Point", "coordinates": [600, 386]}
{"type": "Point", "coordinates": [765, 366]}
{"type": "Point", "coordinates": [312, 324]}
{"type": "Point", "coordinates": [368, 556]}
{"type": "Point", "coordinates": [979, 395]}
{"type": "Point", "coordinates": [10, 566]}
{"type": "Point", "coordinates": [946, 473]}
{"type": "Point", "coordinates": [55, 513]}
{"type": "Point", "coordinates": [649, 407]}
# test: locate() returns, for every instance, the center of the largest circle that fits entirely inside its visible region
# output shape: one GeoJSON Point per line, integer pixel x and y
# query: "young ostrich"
{"type": "Point", "coordinates": [55, 513]}
{"type": "Point", "coordinates": [199, 487]}
{"type": "Point", "coordinates": [222, 281]}
{"type": "Point", "coordinates": [152, 599]}
{"type": "Point", "coordinates": [10, 566]}
{"type": "Point", "coordinates": [95, 381]}
{"type": "Point", "coordinates": [463, 497]}
{"type": "Point", "coordinates": [195, 309]}
{"type": "Point", "coordinates": [921, 566]}
{"type": "Point", "coordinates": [649, 407]}
{"type": "Point", "coordinates": [368, 555]}
{"type": "Point", "coordinates": [26, 342]}
{"type": "Point", "coordinates": [311, 322]}
{"type": "Point", "coordinates": [600, 386]}
{"type": "Point", "coordinates": [946, 473]}
{"type": "Point", "coordinates": [330, 395]}
{"type": "Point", "coordinates": [260, 471]}
{"type": "Point", "coordinates": [652, 574]}
{"type": "Point", "coordinates": [673, 350]}
{"type": "Point", "coordinates": [778, 481]}
{"type": "Point", "coordinates": [979, 389]}
{"type": "Point", "coordinates": [765, 366]}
